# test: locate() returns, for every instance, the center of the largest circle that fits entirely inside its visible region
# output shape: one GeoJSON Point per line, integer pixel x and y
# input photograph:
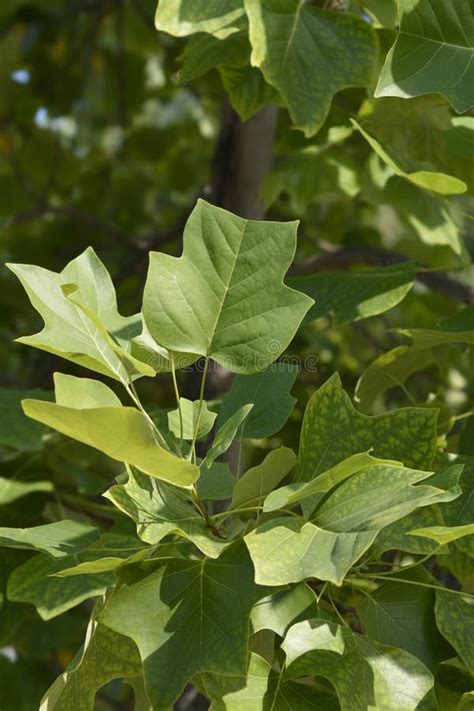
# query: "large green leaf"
{"type": "Point", "coordinates": [35, 582]}
{"type": "Point", "coordinates": [57, 539]}
{"type": "Point", "coordinates": [122, 433]}
{"type": "Point", "coordinates": [269, 393]}
{"type": "Point", "coordinates": [192, 611]}
{"type": "Point", "coordinates": [257, 482]}
{"type": "Point", "coordinates": [432, 53]}
{"type": "Point", "coordinates": [224, 298]}
{"type": "Point", "coordinates": [92, 334]}
{"type": "Point", "coordinates": [353, 295]}
{"type": "Point", "coordinates": [309, 54]}
{"type": "Point", "coordinates": [333, 430]}
{"type": "Point", "coordinates": [290, 549]}
{"type": "Point", "coordinates": [159, 509]}
{"type": "Point", "coordinates": [455, 619]}
{"type": "Point", "coordinates": [185, 17]}
{"type": "Point", "coordinates": [365, 674]}
{"type": "Point", "coordinates": [104, 656]}
{"type": "Point", "coordinates": [402, 615]}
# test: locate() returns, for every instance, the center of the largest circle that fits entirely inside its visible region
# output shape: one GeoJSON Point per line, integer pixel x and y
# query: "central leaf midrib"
{"type": "Point", "coordinates": [227, 288]}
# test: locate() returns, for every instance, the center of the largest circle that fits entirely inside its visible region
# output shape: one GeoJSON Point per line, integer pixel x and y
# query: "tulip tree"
{"type": "Point", "coordinates": [303, 537]}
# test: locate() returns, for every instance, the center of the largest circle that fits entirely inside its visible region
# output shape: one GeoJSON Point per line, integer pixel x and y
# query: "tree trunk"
{"type": "Point", "coordinates": [244, 155]}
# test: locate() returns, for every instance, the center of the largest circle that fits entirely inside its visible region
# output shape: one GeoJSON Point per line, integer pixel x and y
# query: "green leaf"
{"type": "Point", "coordinates": [429, 338]}
{"type": "Point", "coordinates": [278, 611]}
{"type": "Point", "coordinates": [192, 413]}
{"type": "Point", "coordinates": [185, 17]}
{"type": "Point", "coordinates": [288, 550]}
{"type": "Point", "coordinates": [364, 673]}
{"type": "Point", "coordinates": [16, 432]}
{"type": "Point", "coordinates": [159, 510]}
{"type": "Point", "coordinates": [204, 52]}
{"type": "Point", "coordinates": [402, 616]}
{"type": "Point", "coordinates": [268, 391]}
{"type": "Point", "coordinates": [393, 369]}
{"type": "Point", "coordinates": [104, 656]}
{"type": "Point", "coordinates": [466, 702]}
{"type": "Point", "coordinates": [257, 482]}
{"type": "Point", "coordinates": [111, 551]}
{"type": "Point", "coordinates": [83, 392]}
{"type": "Point", "coordinates": [265, 688]}
{"type": "Point", "coordinates": [288, 38]}
{"type": "Point", "coordinates": [133, 365]}
{"type": "Point", "coordinates": [428, 216]}
{"type": "Point", "coordinates": [333, 430]}
{"type": "Point", "coordinates": [390, 370]}
{"type": "Point", "coordinates": [12, 489]}
{"type": "Point", "coordinates": [444, 534]}
{"type": "Point", "coordinates": [247, 90]}
{"type": "Point", "coordinates": [429, 180]}
{"type": "Point", "coordinates": [35, 582]}
{"type": "Point", "coordinates": [397, 535]}
{"type": "Point", "coordinates": [455, 619]}
{"type": "Point", "coordinates": [146, 349]}
{"type": "Point", "coordinates": [314, 174]}
{"type": "Point", "coordinates": [433, 52]}
{"type": "Point", "coordinates": [292, 494]}
{"type": "Point", "coordinates": [459, 513]}
{"type": "Point", "coordinates": [353, 295]}
{"type": "Point", "coordinates": [123, 433]}
{"type": "Point", "coordinates": [226, 435]}
{"type": "Point", "coordinates": [216, 483]}
{"type": "Point", "coordinates": [94, 335]}
{"type": "Point", "coordinates": [424, 144]}
{"type": "Point", "coordinates": [223, 298]}
{"type": "Point", "coordinates": [460, 138]}
{"type": "Point", "coordinates": [57, 539]}
{"type": "Point", "coordinates": [452, 679]}
{"type": "Point", "coordinates": [194, 611]}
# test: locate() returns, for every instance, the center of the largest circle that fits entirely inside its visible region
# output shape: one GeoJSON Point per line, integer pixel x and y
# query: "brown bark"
{"type": "Point", "coordinates": [244, 154]}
